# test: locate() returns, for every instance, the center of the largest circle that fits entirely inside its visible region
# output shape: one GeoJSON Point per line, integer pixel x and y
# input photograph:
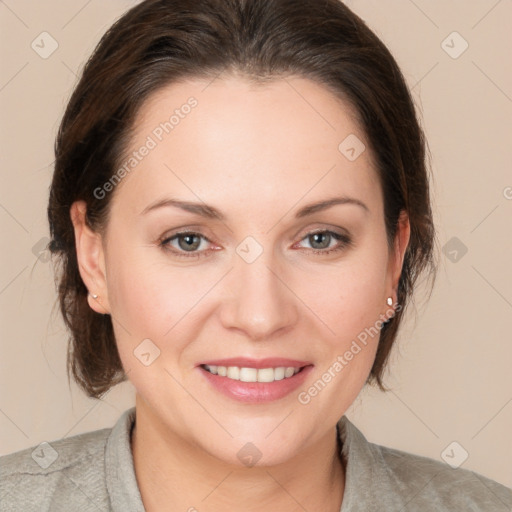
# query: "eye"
{"type": "Point", "coordinates": [186, 242]}
{"type": "Point", "coordinates": [321, 241]}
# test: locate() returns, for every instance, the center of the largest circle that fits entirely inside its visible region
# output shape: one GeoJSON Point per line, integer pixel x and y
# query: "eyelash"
{"type": "Point", "coordinates": [345, 242]}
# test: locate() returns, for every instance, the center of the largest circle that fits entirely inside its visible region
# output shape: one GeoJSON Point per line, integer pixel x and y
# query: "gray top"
{"type": "Point", "coordinates": [94, 472]}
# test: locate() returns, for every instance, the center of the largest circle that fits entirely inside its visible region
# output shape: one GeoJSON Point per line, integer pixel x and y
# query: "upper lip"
{"type": "Point", "coordinates": [246, 362]}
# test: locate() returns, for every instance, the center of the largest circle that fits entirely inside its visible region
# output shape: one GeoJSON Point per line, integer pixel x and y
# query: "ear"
{"type": "Point", "coordinates": [396, 262]}
{"type": "Point", "coordinates": [91, 259]}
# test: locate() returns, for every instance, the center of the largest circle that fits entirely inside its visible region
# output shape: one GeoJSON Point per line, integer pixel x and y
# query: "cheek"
{"type": "Point", "coordinates": [147, 304]}
{"type": "Point", "coordinates": [351, 309]}
{"type": "Point", "coordinates": [146, 298]}
{"type": "Point", "coordinates": [348, 298]}
{"type": "Point", "coordinates": [153, 299]}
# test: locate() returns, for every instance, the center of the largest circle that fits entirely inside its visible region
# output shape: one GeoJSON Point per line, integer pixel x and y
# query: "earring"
{"type": "Point", "coordinates": [94, 296]}
{"type": "Point", "coordinates": [390, 301]}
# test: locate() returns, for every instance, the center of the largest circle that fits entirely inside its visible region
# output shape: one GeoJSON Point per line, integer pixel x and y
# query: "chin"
{"type": "Point", "coordinates": [253, 448]}
{"type": "Point", "coordinates": [247, 455]}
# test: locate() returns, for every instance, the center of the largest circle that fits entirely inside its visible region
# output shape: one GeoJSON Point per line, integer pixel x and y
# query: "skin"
{"type": "Point", "coordinates": [258, 154]}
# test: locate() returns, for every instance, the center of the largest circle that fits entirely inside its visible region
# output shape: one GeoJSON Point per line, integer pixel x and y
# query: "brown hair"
{"type": "Point", "coordinates": [159, 42]}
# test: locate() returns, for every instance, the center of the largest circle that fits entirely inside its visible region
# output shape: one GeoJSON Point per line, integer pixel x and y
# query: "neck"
{"type": "Point", "coordinates": [173, 474]}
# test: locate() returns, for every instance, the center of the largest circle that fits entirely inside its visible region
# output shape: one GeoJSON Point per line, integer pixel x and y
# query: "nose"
{"type": "Point", "coordinates": [260, 302]}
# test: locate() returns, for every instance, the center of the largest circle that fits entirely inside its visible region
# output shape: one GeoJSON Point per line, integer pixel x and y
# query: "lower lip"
{"type": "Point", "coordinates": [256, 392]}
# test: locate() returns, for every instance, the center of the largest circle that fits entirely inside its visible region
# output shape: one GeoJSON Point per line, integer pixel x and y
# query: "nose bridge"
{"type": "Point", "coordinates": [260, 303]}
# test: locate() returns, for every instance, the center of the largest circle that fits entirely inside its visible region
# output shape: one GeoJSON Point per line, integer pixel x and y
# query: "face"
{"type": "Point", "coordinates": [246, 274]}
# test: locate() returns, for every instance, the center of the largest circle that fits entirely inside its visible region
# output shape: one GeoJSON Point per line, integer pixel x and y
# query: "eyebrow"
{"type": "Point", "coordinates": [211, 212]}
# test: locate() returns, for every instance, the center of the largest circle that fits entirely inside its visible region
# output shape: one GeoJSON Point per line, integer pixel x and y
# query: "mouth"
{"type": "Point", "coordinates": [248, 374]}
{"type": "Point", "coordinates": [255, 381]}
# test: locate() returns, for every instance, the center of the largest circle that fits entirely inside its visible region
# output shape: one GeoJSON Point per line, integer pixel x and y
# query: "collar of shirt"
{"type": "Point", "coordinates": [360, 471]}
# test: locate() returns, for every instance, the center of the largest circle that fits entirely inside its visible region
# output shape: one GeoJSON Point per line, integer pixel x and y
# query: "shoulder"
{"type": "Point", "coordinates": [425, 482]}
{"type": "Point", "coordinates": [384, 478]}
{"type": "Point", "coordinates": [70, 469]}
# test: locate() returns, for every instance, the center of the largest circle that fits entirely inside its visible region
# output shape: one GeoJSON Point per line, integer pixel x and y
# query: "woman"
{"type": "Point", "coordinates": [241, 207]}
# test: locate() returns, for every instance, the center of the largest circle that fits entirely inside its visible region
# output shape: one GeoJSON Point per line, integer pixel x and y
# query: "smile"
{"type": "Point", "coordinates": [245, 374]}
{"type": "Point", "coordinates": [255, 381]}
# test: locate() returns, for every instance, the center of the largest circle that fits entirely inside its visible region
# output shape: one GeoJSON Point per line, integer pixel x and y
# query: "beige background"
{"type": "Point", "coordinates": [451, 375]}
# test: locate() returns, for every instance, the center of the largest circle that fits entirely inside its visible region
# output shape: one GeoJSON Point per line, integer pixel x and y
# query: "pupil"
{"type": "Point", "coordinates": [189, 244]}
{"type": "Point", "coordinates": [320, 235]}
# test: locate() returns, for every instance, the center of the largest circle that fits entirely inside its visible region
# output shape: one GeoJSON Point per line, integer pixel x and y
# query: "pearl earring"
{"type": "Point", "coordinates": [390, 301]}
{"type": "Point", "coordinates": [94, 296]}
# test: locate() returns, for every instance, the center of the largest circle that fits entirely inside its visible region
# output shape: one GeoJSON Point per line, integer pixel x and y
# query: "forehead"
{"type": "Point", "coordinates": [229, 141]}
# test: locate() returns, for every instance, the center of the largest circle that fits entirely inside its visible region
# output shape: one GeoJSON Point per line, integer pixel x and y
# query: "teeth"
{"type": "Point", "coordinates": [253, 374]}
{"type": "Point", "coordinates": [248, 375]}
{"type": "Point", "coordinates": [279, 373]}
{"type": "Point", "coordinates": [233, 372]}
{"type": "Point", "coordinates": [266, 375]}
